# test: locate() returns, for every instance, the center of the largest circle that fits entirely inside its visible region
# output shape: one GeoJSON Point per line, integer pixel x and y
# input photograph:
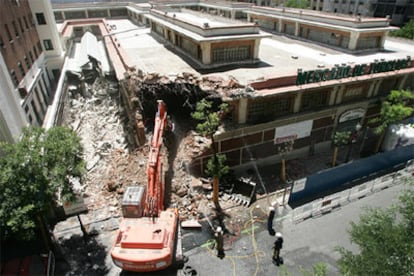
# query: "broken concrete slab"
{"type": "Point", "coordinates": [194, 224]}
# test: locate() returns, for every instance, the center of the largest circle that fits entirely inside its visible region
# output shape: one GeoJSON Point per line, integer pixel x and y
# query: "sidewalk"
{"type": "Point", "coordinates": [305, 244]}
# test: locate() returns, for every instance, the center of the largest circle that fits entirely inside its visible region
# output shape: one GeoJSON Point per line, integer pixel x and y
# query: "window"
{"type": "Point", "coordinates": [25, 22]}
{"type": "Point", "coordinates": [31, 57]}
{"type": "Point", "coordinates": [36, 113]}
{"type": "Point", "coordinates": [31, 19]}
{"type": "Point", "coordinates": [1, 41]}
{"type": "Point", "coordinates": [354, 93]}
{"type": "Point", "coordinates": [9, 36]}
{"type": "Point", "coordinates": [314, 100]}
{"type": "Point", "coordinates": [39, 47]}
{"type": "Point", "coordinates": [16, 31]}
{"type": "Point", "coordinates": [14, 77]}
{"type": "Point", "coordinates": [20, 65]}
{"type": "Point", "coordinates": [48, 44]}
{"type": "Point", "coordinates": [26, 60]}
{"type": "Point", "coordinates": [35, 51]}
{"type": "Point", "coordinates": [231, 54]}
{"type": "Point", "coordinates": [264, 111]}
{"type": "Point", "coordinates": [21, 25]}
{"type": "Point", "coordinates": [40, 18]}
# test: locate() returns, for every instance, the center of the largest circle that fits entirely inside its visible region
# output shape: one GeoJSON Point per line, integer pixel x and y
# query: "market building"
{"type": "Point", "coordinates": [327, 73]}
{"type": "Point", "coordinates": [302, 75]}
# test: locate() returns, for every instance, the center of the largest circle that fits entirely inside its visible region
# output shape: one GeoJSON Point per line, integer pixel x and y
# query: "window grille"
{"type": "Point", "coordinates": [231, 54]}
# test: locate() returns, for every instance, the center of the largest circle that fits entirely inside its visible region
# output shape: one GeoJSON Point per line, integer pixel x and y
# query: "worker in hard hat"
{"type": "Point", "coordinates": [276, 249]}
{"type": "Point", "coordinates": [219, 242]}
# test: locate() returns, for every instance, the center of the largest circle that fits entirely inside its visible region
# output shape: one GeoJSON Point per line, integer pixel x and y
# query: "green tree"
{"type": "Point", "coordinates": [318, 269]}
{"type": "Point", "coordinates": [34, 173]}
{"type": "Point", "coordinates": [407, 31]}
{"type": "Point", "coordinates": [385, 240]}
{"type": "Point", "coordinates": [299, 4]}
{"type": "Point", "coordinates": [341, 138]}
{"type": "Point", "coordinates": [284, 148]}
{"type": "Point", "coordinates": [396, 107]}
{"type": "Point", "coordinates": [209, 123]}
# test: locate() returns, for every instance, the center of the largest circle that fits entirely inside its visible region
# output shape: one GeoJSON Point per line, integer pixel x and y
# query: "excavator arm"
{"type": "Point", "coordinates": [155, 185]}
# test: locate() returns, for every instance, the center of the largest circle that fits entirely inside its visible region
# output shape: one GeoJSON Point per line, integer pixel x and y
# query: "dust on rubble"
{"type": "Point", "coordinates": [97, 117]}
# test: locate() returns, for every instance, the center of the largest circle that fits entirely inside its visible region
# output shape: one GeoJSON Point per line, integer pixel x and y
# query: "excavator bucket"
{"type": "Point", "coordinates": [244, 191]}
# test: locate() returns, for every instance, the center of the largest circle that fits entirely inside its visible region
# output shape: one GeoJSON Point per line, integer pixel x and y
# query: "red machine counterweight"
{"type": "Point", "coordinates": [149, 236]}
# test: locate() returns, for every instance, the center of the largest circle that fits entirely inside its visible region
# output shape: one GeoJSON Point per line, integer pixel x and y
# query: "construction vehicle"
{"type": "Point", "coordinates": [149, 237]}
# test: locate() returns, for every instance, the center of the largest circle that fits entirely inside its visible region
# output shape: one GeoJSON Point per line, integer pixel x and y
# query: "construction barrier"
{"type": "Point", "coordinates": [383, 182]}
{"type": "Point", "coordinates": [334, 201]}
{"type": "Point", "coordinates": [360, 191]}
{"type": "Point", "coordinates": [328, 203]}
{"type": "Point", "coordinates": [305, 211]}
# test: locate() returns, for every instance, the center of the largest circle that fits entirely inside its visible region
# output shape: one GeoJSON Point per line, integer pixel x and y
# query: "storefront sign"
{"type": "Point", "coordinates": [340, 72]}
{"type": "Point", "coordinates": [351, 115]}
{"type": "Point", "coordinates": [293, 131]}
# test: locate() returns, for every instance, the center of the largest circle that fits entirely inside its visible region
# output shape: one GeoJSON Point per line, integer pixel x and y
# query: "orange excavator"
{"type": "Point", "coordinates": [149, 237]}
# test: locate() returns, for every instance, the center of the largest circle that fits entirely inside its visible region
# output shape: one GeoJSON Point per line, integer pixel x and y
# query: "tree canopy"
{"type": "Point", "coordinates": [209, 124]}
{"type": "Point", "coordinates": [299, 4]}
{"type": "Point", "coordinates": [34, 173]}
{"type": "Point", "coordinates": [385, 239]}
{"type": "Point", "coordinates": [407, 31]}
{"type": "Point", "coordinates": [396, 107]}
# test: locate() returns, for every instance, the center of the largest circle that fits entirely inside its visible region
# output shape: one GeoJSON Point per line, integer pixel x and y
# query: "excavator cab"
{"type": "Point", "coordinates": [133, 202]}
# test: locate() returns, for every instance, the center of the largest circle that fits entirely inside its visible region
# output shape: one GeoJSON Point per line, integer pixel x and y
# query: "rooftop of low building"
{"type": "Point", "coordinates": [279, 55]}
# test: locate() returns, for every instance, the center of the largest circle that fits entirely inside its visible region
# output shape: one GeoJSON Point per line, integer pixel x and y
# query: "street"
{"type": "Point", "coordinates": [248, 245]}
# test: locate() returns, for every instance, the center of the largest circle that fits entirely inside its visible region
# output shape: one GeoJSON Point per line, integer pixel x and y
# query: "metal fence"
{"type": "Point", "coordinates": [328, 203]}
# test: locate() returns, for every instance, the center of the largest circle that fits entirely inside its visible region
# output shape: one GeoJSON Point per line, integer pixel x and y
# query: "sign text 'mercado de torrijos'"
{"type": "Point", "coordinates": [340, 72]}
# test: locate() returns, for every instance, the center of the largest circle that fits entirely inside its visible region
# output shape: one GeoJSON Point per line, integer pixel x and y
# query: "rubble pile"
{"type": "Point", "coordinates": [100, 120]}
{"type": "Point", "coordinates": [186, 84]}
{"type": "Point", "coordinates": [96, 116]}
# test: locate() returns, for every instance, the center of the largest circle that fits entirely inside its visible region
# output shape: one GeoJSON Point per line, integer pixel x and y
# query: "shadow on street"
{"type": "Point", "coordinates": [87, 256]}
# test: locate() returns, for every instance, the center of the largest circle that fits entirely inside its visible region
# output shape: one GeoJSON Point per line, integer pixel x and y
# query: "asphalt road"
{"type": "Point", "coordinates": [305, 243]}
{"type": "Point", "coordinates": [248, 245]}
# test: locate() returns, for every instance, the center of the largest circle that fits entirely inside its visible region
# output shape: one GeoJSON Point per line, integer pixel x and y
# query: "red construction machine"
{"type": "Point", "coordinates": [149, 237]}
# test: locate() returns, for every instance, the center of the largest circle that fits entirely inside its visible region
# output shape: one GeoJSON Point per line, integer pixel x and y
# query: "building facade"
{"type": "Point", "coordinates": [399, 11]}
{"type": "Point", "coordinates": [305, 102]}
{"type": "Point", "coordinates": [28, 38]}
{"type": "Point", "coordinates": [208, 42]}
{"type": "Point", "coordinates": [353, 34]}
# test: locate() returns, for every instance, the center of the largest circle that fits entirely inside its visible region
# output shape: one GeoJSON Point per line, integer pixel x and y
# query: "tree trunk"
{"type": "Point", "coordinates": [377, 147]}
{"type": "Point", "coordinates": [215, 190]}
{"type": "Point", "coordinates": [335, 155]}
{"type": "Point", "coordinates": [283, 172]}
{"type": "Point", "coordinates": [42, 229]}
{"type": "Point", "coordinates": [215, 177]}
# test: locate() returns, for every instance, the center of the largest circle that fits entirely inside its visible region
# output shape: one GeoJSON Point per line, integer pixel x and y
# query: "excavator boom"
{"type": "Point", "coordinates": [148, 238]}
{"type": "Point", "coordinates": [155, 185]}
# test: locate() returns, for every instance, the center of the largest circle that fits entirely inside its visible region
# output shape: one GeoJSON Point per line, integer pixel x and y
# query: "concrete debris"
{"type": "Point", "coordinates": [104, 127]}
{"type": "Point", "coordinates": [212, 84]}
{"type": "Point", "coordinates": [191, 224]}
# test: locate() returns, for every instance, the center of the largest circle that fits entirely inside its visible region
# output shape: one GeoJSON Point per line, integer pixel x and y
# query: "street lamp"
{"type": "Point", "coordinates": [353, 137]}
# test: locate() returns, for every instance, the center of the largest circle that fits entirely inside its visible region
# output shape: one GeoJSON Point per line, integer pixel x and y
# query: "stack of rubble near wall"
{"type": "Point", "coordinates": [136, 84]}
{"type": "Point", "coordinates": [96, 116]}
{"type": "Point", "coordinates": [98, 119]}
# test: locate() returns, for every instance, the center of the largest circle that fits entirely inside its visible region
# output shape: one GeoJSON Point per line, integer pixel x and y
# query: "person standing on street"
{"type": "Point", "coordinates": [276, 249]}
{"type": "Point", "coordinates": [219, 242]}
